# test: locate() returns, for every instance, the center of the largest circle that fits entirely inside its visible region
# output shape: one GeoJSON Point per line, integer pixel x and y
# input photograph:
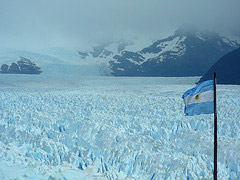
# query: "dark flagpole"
{"type": "Point", "coordinates": [215, 129]}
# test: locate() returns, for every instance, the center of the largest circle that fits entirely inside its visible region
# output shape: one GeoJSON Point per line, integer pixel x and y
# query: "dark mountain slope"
{"type": "Point", "coordinates": [227, 69]}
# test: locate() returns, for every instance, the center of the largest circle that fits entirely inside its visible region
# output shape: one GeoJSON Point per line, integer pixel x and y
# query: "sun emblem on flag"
{"type": "Point", "coordinates": [197, 97]}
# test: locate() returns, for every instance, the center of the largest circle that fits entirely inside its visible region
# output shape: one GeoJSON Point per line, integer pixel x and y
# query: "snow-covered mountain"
{"type": "Point", "coordinates": [189, 52]}
{"type": "Point", "coordinates": [104, 53]}
{"type": "Point", "coordinates": [55, 61]}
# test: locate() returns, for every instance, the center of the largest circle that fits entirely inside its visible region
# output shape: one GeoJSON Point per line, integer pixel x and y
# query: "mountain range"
{"type": "Point", "coordinates": [188, 52]}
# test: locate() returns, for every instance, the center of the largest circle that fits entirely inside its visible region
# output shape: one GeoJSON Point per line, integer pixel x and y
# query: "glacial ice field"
{"type": "Point", "coordinates": [113, 128]}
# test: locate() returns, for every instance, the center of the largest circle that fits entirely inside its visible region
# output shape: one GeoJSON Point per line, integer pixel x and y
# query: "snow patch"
{"type": "Point", "coordinates": [120, 69]}
{"type": "Point", "coordinates": [230, 42]}
{"type": "Point", "coordinates": [175, 47]}
{"type": "Point", "coordinates": [200, 36]}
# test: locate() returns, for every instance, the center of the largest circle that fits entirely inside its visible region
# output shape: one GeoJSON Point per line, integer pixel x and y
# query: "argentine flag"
{"type": "Point", "coordinates": [199, 100]}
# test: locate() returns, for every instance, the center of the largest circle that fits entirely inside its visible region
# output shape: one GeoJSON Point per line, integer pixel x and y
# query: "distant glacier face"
{"type": "Point", "coordinates": [114, 128]}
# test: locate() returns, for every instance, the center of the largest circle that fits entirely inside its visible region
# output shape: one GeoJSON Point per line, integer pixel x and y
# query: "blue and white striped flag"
{"type": "Point", "coordinates": [200, 99]}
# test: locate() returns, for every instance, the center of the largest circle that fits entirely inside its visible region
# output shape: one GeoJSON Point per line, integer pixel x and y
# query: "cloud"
{"type": "Point", "coordinates": [28, 24]}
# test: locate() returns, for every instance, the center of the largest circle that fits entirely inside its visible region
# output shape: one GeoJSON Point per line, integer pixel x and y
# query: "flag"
{"type": "Point", "coordinates": [200, 99]}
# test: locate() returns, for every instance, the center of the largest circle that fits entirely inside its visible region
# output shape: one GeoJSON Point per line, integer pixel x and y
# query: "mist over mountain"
{"type": "Point", "coordinates": [34, 25]}
{"type": "Point", "coordinates": [55, 62]}
{"type": "Point", "coordinates": [189, 51]}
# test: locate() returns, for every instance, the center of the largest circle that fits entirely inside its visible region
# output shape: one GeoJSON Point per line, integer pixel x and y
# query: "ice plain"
{"type": "Point", "coordinates": [113, 128]}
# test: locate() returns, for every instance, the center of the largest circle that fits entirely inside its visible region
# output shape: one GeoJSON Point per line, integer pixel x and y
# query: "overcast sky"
{"type": "Point", "coordinates": [36, 24]}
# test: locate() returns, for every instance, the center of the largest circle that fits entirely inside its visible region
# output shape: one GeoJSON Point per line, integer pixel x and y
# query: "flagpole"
{"type": "Point", "coordinates": [215, 129]}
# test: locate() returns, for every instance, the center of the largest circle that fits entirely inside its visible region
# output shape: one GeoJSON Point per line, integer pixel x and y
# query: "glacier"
{"type": "Point", "coordinates": [96, 127]}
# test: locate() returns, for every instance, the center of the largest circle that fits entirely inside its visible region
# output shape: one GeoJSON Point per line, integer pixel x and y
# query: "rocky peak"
{"type": "Point", "coordinates": [23, 66]}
